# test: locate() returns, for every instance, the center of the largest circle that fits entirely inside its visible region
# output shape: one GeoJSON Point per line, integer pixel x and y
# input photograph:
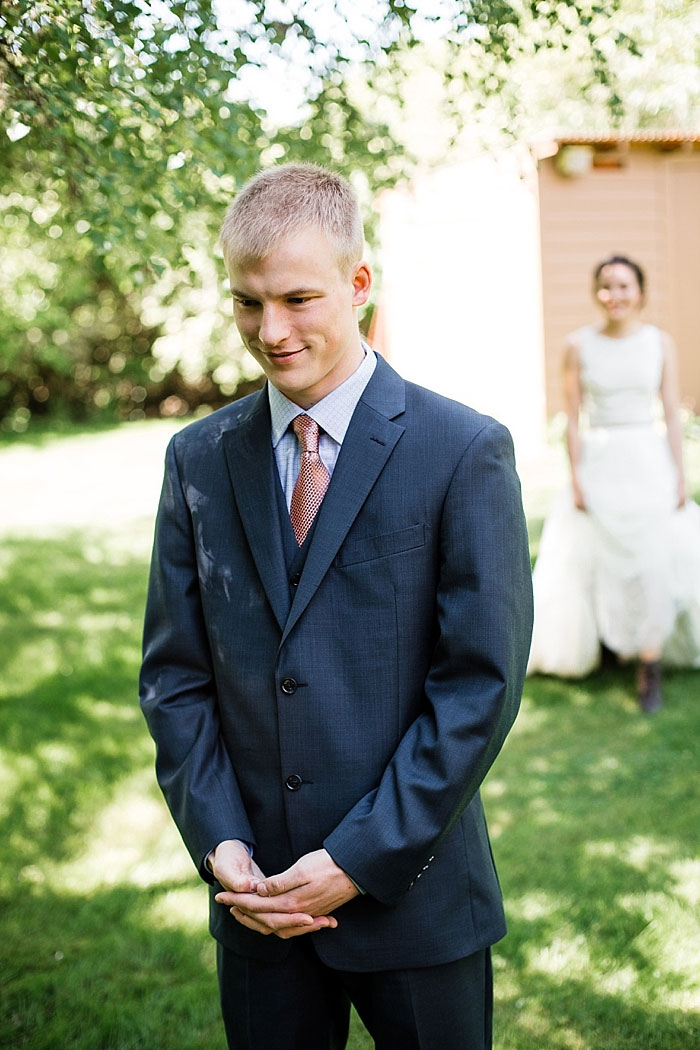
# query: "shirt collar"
{"type": "Point", "coordinates": [333, 412]}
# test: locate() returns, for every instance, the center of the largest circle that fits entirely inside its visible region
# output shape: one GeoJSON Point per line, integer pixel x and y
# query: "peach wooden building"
{"type": "Point", "coordinates": [486, 265]}
{"type": "Point", "coordinates": [639, 196]}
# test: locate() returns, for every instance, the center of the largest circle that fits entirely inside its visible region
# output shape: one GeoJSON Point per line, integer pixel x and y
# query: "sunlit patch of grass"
{"type": "Point", "coordinates": [687, 875]}
{"type": "Point", "coordinates": [131, 840]}
{"type": "Point", "coordinates": [178, 909]}
{"type": "Point", "coordinates": [566, 952]}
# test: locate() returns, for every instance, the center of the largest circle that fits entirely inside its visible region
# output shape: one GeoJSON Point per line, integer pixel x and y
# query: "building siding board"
{"type": "Point", "coordinates": [648, 209]}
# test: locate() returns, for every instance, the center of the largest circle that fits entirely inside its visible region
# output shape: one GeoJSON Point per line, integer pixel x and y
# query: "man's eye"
{"type": "Point", "coordinates": [245, 302]}
{"type": "Point", "coordinates": [297, 299]}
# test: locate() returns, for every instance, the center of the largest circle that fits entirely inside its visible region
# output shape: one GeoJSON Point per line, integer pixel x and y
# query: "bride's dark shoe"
{"type": "Point", "coordinates": [649, 686]}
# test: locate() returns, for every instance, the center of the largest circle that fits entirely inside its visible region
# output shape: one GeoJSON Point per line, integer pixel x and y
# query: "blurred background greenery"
{"type": "Point", "coordinates": [126, 128]}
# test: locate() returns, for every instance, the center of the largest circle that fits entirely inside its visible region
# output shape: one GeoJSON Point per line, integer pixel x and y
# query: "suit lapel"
{"type": "Point", "coordinates": [369, 441]}
{"type": "Point", "coordinates": [252, 468]}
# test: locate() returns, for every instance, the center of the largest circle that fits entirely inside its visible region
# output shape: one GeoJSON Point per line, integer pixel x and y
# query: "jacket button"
{"type": "Point", "coordinates": [289, 686]}
{"type": "Point", "coordinates": [294, 579]}
{"type": "Point", "coordinates": [293, 782]}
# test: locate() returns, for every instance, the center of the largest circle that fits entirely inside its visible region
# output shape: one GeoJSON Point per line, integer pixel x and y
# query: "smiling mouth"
{"type": "Point", "coordinates": [282, 355]}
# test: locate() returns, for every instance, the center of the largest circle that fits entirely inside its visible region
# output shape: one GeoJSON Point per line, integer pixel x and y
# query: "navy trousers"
{"type": "Point", "coordinates": [301, 1004]}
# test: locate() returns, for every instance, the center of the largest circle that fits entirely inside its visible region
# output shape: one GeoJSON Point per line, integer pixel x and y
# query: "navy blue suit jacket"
{"type": "Point", "coordinates": [384, 685]}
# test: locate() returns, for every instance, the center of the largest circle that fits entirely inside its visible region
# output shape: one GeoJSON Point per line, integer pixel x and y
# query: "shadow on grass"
{"type": "Point", "coordinates": [70, 727]}
{"type": "Point", "coordinates": [585, 1017]}
{"type": "Point", "coordinates": [93, 969]}
{"type": "Point", "coordinates": [99, 973]}
{"type": "Point", "coordinates": [593, 810]}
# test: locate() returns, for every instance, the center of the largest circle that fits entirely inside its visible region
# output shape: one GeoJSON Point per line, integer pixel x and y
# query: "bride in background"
{"type": "Point", "coordinates": [619, 558]}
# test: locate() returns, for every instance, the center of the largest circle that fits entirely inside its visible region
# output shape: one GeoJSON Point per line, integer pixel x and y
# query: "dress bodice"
{"type": "Point", "coordinates": [620, 378]}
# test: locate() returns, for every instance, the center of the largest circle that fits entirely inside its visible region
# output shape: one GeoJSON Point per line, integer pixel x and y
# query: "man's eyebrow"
{"type": "Point", "coordinates": [293, 293]}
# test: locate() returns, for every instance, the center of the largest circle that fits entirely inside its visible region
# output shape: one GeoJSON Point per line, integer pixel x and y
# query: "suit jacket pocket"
{"type": "Point", "coordinates": [366, 548]}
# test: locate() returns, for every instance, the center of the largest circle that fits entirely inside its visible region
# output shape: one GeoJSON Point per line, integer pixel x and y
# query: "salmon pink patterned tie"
{"type": "Point", "coordinates": [313, 480]}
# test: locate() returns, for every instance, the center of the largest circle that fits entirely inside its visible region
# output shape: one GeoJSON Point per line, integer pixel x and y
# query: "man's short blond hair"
{"type": "Point", "coordinates": [285, 200]}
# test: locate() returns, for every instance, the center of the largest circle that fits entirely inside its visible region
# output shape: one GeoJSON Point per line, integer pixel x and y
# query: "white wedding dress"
{"type": "Point", "coordinates": [626, 571]}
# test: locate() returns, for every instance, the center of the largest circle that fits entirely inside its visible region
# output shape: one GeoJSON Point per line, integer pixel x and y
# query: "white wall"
{"type": "Point", "coordinates": [461, 289]}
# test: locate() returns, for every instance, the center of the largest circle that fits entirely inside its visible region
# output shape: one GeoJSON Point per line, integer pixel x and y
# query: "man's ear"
{"type": "Point", "coordinates": [361, 283]}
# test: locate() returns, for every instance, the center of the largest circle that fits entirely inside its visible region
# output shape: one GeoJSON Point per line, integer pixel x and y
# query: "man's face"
{"type": "Point", "coordinates": [295, 311]}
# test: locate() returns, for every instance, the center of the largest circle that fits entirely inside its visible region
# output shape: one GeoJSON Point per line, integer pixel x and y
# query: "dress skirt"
{"type": "Point", "coordinates": [624, 572]}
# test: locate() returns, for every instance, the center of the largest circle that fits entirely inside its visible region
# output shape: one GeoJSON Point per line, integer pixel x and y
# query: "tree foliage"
{"type": "Point", "coordinates": [124, 138]}
{"type": "Point", "coordinates": [127, 127]}
{"type": "Point", "coordinates": [124, 117]}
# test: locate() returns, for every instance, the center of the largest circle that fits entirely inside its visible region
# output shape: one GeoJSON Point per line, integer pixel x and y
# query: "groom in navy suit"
{"type": "Point", "coordinates": [327, 697]}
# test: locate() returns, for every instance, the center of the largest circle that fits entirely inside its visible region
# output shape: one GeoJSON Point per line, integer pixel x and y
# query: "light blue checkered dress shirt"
{"type": "Point", "coordinates": [332, 413]}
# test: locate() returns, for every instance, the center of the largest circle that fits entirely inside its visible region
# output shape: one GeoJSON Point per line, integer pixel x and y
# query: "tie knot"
{"type": "Point", "coordinates": [306, 429]}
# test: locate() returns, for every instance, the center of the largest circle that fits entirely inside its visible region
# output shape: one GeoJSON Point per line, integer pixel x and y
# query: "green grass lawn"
{"type": "Point", "coordinates": [103, 942]}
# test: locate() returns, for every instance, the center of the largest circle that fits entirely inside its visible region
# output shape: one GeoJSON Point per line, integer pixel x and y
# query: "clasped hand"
{"type": "Point", "coordinates": [299, 900]}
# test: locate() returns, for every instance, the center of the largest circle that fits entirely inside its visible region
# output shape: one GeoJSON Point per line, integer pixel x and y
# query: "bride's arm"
{"type": "Point", "coordinates": [572, 399]}
{"type": "Point", "coordinates": [670, 398]}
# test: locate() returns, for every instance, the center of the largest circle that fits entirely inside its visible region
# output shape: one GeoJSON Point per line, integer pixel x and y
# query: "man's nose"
{"type": "Point", "coordinates": [274, 327]}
